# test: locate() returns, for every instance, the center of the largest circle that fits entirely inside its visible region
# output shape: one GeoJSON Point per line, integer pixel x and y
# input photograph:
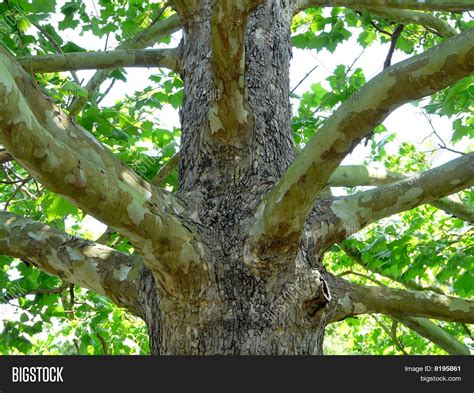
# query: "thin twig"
{"type": "Point", "coordinates": [103, 343]}
{"type": "Point", "coordinates": [160, 12]}
{"type": "Point", "coordinates": [379, 29]}
{"type": "Point", "coordinates": [107, 91]}
{"type": "Point", "coordinates": [443, 143]}
{"type": "Point", "coordinates": [302, 80]}
{"type": "Point", "coordinates": [55, 45]}
{"type": "Point", "coordinates": [396, 34]}
{"type": "Point", "coordinates": [17, 190]}
{"type": "Point", "coordinates": [391, 334]}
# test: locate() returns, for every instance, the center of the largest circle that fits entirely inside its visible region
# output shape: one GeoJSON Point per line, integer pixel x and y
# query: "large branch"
{"type": "Point", "coordinates": [434, 333]}
{"type": "Point", "coordinates": [422, 326]}
{"type": "Point", "coordinates": [361, 175]}
{"type": "Point", "coordinates": [405, 17]}
{"type": "Point", "coordinates": [355, 176]}
{"type": "Point", "coordinates": [356, 211]}
{"type": "Point", "coordinates": [432, 5]}
{"type": "Point", "coordinates": [399, 303]}
{"type": "Point", "coordinates": [283, 211]}
{"type": "Point", "coordinates": [165, 58]}
{"type": "Point", "coordinates": [430, 22]}
{"type": "Point", "coordinates": [353, 253]}
{"type": "Point", "coordinates": [147, 37]}
{"type": "Point", "coordinates": [77, 261]}
{"type": "Point", "coordinates": [69, 161]}
{"type": "Point", "coordinates": [230, 115]}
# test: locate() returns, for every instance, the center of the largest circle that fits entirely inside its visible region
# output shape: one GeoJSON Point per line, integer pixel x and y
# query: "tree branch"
{"type": "Point", "coordinates": [185, 8]}
{"type": "Point", "coordinates": [454, 206]}
{"type": "Point", "coordinates": [69, 161]}
{"type": "Point", "coordinates": [76, 261]}
{"type": "Point", "coordinates": [55, 45]}
{"type": "Point", "coordinates": [147, 37]}
{"type": "Point", "coordinates": [393, 43]}
{"type": "Point", "coordinates": [356, 211]}
{"type": "Point", "coordinates": [283, 211]}
{"type": "Point", "coordinates": [230, 115]}
{"type": "Point", "coordinates": [392, 333]}
{"type": "Point", "coordinates": [434, 333]}
{"type": "Point", "coordinates": [356, 256]}
{"type": "Point", "coordinates": [399, 303]}
{"type": "Point", "coordinates": [422, 326]}
{"type": "Point", "coordinates": [361, 175]}
{"type": "Point", "coordinates": [405, 17]}
{"type": "Point", "coordinates": [38, 291]}
{"type": "Point", "coordinates": [165, 58]}
{"type": "Point", "coordinates": [426, 5]}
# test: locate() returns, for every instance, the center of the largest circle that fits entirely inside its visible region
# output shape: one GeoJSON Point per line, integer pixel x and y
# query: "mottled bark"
{"type": "Point", "coordinates": [68, 160]}
{"type": "Point", "coordinates": [361, 175]}
{"type": "Point", "coordinates": [243, 313]}
{"type": "Point", "coordinates": [354, 212]}
{"type": "Point", "coordinates": [77, 261]}
{"type": "Point", "coordinates": [429, 330]}
{"type": "Point", "coordinates": [284, 211]}
{"type": "Point", "coordinates": [424, 327]}
{"type": "Point", "coordinates": [371, 300]}
{"type": "Point", "coordinates": [165, 58]}
{"type": "Point", "coordinates": [433, 5]}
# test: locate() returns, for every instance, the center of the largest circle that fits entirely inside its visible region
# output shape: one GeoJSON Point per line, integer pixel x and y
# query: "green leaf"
{"type": "Point", "coordinates": [23, 24]}
{"type": "Point", "coordinates": [73, 89]}
{"type": "Point", "coordinates": [24, 318]}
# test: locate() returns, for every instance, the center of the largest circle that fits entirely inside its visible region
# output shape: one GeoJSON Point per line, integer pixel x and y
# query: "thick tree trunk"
{"type": "Point", "coordinates": [242, 312]}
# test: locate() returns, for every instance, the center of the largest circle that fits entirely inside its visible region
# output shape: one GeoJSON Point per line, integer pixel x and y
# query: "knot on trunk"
{"type": "Point", "coordinates": [320, 299]}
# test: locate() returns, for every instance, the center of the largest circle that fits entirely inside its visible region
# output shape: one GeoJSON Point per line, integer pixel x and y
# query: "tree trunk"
{"type": "Point", "coordinates": [242, 312]}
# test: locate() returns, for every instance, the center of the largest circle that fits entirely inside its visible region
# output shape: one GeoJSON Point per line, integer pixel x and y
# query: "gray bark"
{"type": "Point", "coordinates": [242, 313]}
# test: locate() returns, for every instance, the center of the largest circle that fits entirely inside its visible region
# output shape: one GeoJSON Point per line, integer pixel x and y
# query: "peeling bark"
{"type": "Point", "coordinates": [77, 261]}
{"type": "Point", "coordinates": [354, 212]}
{"type": "Point", "coordinates": [361, 175]}
{"type": "Point", "coordinates": [372, 300]}
{"type": "Point", "coordinates": [68, 160]}
{"type": "Point", "coordinates": [284, 210]}
{"type": "Point", "coordinates": [432, 5]}
{"type": "Point", "coordinates": [230, 115]}
{"type": "Point", "coordinates": [165, 58]}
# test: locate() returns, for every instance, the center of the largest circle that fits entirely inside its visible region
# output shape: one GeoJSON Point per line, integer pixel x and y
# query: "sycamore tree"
{"type": "Point", "coordinates": [241, 232]}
